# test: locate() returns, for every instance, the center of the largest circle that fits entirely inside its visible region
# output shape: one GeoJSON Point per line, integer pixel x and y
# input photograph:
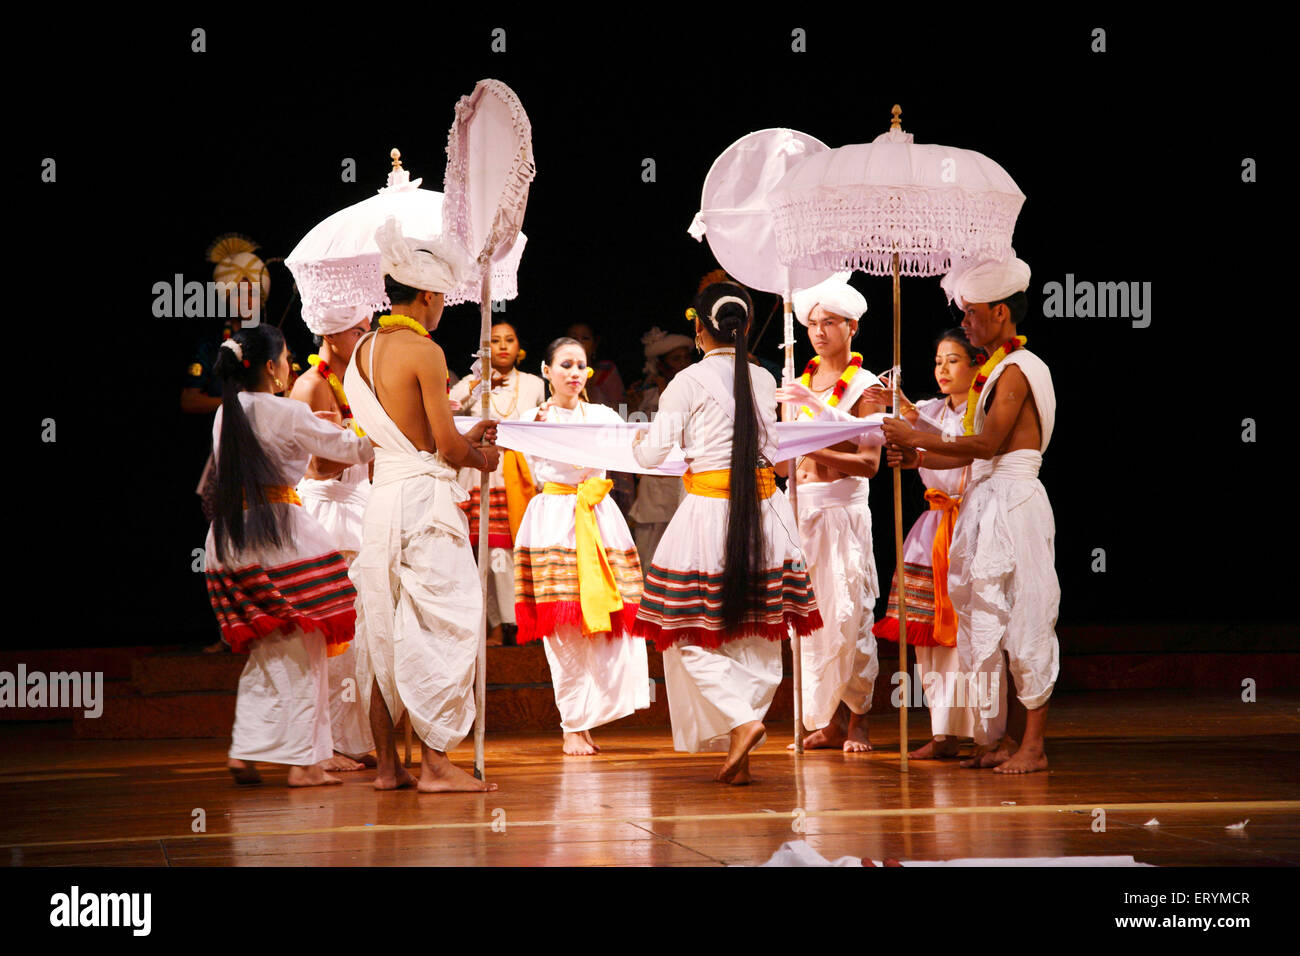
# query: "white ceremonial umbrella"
{"type": "Point", "coordinates": [336, 265]}
{"type": "Point", "coordinates": [736, 219]}
{"type": "Point", "coordinates": [489, 169]}
{"type": "Point", "coordinates": [892, 207]}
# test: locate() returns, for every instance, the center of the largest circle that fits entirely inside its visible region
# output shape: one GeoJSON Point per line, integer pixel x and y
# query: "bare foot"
{"type": "Point", "coordinates": [1025, 760]}
{"type": "Point", "coordinates": [985, 757]}
{"type": "Point", "coordinates": [442, 776]}
{"type": "Point", "coordinates": [742, 777]}
{"type": "Point", "coordinates": [936, 749]}
{"type": "Point", "coordinates": [576, 745]}
{"type": "Point", "coordinates": [398, 781]}
{"type": "Point", "coordinates": [312, 776]}
{"type": "Point", "coordinates": [340, 763]}
{"type": "Point", "coordinates": [495, 636]}
{"type": "Point", "coordinates": [244, 773]}
{"type": "Point", "coordinates": [855, 738]}
{"type": "Point", "coordinates": [830, 737]}
{"type": "Point", "coordinates": [743, 739]}
{"type": "Point", "coordinates": [587, 735]}
{"type": "Point", "coordinates": [216, 648]}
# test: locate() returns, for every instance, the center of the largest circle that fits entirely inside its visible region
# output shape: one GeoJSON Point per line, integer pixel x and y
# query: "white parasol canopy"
{"type": "Point", "coordinates": [856, 207]}
{"type": "Point", "coordinates": [337, 267]}
{"type": "Point", "coordinates": [734, 213]}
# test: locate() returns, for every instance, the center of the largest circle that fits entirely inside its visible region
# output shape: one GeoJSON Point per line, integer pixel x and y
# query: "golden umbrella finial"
{"type": "Point", "coordinates": [397, 157]}
{"type": "Point", "coordinates": [896, 123]}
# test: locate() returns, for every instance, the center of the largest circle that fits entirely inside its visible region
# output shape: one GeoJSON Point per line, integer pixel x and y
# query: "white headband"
{"type": "Point", "coordinates": [234, 347]}
{"type": "Point", "coordinates": [713, 316]}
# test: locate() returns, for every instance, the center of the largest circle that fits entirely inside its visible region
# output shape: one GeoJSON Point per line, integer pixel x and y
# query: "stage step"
{"type": "Point", "coordinates": [175, 691]}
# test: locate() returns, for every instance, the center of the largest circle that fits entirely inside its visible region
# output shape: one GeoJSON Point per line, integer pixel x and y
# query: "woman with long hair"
{"type": "Point", "coordinates": [577, 577]}
{"type": "Point", "coordinates": [278, 585]}
{"type": "Point", "coordinates": [511, 393]}
{"type": "Point", "coordinates": [931, 619]}
{"type": "Point", "coordinates": [728, 579]}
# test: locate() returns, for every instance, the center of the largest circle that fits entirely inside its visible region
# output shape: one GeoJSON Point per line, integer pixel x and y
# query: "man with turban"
{"type": "Point", "coordinates": [335, 495]}
{"type": "Point", "coordinates": [839, 658]}
{"type": "Point", "coordinates": [1002, 563]}
{"type": "Point", "coordinates": [419, 604]}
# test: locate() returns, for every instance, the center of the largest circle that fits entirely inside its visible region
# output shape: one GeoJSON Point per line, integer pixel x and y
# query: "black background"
{"type": "Point", "coordinates": [1130, 159]}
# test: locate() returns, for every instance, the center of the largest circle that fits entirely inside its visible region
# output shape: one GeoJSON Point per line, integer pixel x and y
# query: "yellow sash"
{"type": "Point", "coordinates": [945, 616]}
{"type": "Point", "coordinates": [280, 495]}
{"type": "Point", "coordinates": [717, 484]}
{"type": "Point", "coordinates": [519, 488]}
{"type": "Point", "coordinates": [597, 589]}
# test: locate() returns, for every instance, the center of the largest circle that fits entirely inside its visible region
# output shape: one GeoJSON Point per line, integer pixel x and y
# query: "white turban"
{"type": "Point", "coordinates": [336, 318]}
{"type": "Point", "coordinates": [659, 342]}
{"type": "Point", "coordinates": [989, 280]}
{"type": "Point", "coordinates": [438, 264]}
{"type": "Point", "coordinates": [835, 295]}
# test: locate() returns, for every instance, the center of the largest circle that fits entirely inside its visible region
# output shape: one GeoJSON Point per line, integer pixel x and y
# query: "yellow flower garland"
{"type": "Point", "coordinates": [337, 387]}
{"type": "Point", "coordinates": [973, 398]}
{"type": "Point", "coordinates": [840, 385]}
{"type": "Point", "coordinates": [404, 322]}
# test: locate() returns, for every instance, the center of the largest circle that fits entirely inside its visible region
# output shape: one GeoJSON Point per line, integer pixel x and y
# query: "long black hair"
{"type": "Point", "coordinates": [746, 552]}
{"type": "Point", "coordinates": [244, 518]}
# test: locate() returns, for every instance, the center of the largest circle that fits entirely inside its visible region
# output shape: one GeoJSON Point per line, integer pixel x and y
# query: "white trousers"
{"type": "Point", "coordinates": [596, 679]}
{"type": "Point", "coordinates": [840, 660]}
{"type": "Point", "coordinates": [500, 586]}
{"type": "Point", "coordinates": [349, 722]}
{"type": "Point", "coordinates": [711, 692]}
{"type": "Point", "coordinates": [282, 710]}
{"type": "Point", "coordinates": [963, 704]}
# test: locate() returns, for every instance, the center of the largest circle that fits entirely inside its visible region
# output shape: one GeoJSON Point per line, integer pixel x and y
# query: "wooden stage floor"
{"type": "Point", "coordinates": [1197, 763]}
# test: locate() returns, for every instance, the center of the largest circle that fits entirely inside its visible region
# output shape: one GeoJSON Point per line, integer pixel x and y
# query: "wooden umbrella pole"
{"type": "Point", "coordinates": [792, 482]}
{"type": "Point", "coordinates": [898, 534]}
{"type": "Point", "coordinates": [480, 676]}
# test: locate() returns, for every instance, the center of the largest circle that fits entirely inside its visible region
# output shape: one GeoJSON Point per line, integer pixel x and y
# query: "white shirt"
{"type": "Point", "coordinates": [290, 433]}
{"type": "Point", "coordinates": [689, 416]}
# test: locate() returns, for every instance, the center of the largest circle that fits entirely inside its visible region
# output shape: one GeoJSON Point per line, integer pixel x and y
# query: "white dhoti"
{"type": "Point", "coordinates": [1002, 574]}
{"type": "Point", "coordinates": [596, 679]}
{"type": "Point", "coordinates": [839, 659]}
{"type": "Point", "coordinates": [419, 603]}
{"type": "Point", "coordinates": [713, 691]}
{"type": "Point", "coordinates": [962, 703]}
{"type": "Point", "coordinates": [339, 504]}
{"type": "Point", "coordinates": [282, 708]}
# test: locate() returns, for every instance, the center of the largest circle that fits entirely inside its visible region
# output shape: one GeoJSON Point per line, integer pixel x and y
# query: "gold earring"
{"type": "Point", "coordinates": [279, 385]}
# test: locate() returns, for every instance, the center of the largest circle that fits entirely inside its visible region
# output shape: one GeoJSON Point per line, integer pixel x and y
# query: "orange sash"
{"type": "Point", "coordinates": [945, 616]}
{"type": "Point", "coordinates": [519, 488]}
{"type": "Point", "coordinates": [597, 589]}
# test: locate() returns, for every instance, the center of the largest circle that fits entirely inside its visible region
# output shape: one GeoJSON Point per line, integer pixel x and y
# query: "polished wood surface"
{"type": "Point", "coordinates": [1196, 763]}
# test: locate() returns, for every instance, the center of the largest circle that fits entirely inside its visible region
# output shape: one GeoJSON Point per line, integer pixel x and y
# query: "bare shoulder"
{"type": "Point", "coordinates": [312, 388]}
